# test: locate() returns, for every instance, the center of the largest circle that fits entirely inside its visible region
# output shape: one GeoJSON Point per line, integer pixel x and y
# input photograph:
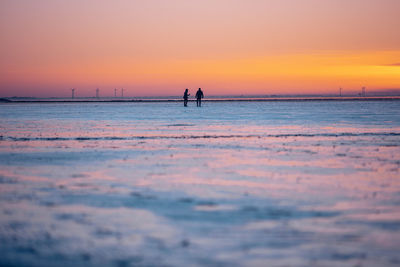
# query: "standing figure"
{"type": "Point", "coordinates": [185, 97]}
{"type": "Point", "coordinates": [199, 96]}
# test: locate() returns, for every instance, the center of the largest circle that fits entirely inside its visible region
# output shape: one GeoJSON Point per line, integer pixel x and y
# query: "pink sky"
{"type": "Point", "coordinates": [225, 46]}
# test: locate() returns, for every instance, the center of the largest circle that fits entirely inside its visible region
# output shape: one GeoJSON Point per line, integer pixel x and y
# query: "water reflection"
{"type": "Point", "coordinates": [137, 192]}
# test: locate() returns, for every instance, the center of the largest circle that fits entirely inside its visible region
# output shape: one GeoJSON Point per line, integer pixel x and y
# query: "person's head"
{"type": "Point", "coordinates": [199, 89]}
{"type": "Point", "coordinates": [186, 89]}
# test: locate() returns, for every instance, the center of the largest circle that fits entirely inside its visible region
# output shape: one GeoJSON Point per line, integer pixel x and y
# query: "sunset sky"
{"type": "Point", "coordinates": [158, 48]}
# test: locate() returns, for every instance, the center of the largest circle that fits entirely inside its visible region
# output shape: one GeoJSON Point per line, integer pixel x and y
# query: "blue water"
{"type": "Point", "coordinates": [267, 113]}
{"type": "Point", "coordinates": [228, 184]}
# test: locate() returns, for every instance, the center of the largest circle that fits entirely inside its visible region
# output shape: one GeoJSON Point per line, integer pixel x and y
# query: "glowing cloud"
{"type": "Point", "coordinates": [228, 47]}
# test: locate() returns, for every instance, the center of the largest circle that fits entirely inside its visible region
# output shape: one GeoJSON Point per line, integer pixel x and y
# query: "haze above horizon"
{"type": "Point", "coordinates": [228, 47]}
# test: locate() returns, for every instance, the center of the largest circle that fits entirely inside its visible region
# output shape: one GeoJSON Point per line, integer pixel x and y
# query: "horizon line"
{"type": "Point", "coordinates": [260, 99]}
{"type": "Point", "coordinates": [341, 92]}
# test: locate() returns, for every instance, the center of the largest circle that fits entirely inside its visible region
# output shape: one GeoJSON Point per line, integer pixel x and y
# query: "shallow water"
{"type": "Point", "coordinates": [228, 184]}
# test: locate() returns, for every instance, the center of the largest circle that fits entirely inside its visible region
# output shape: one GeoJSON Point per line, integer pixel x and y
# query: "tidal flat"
{"type": "Point", "coordinates": [228, 184]}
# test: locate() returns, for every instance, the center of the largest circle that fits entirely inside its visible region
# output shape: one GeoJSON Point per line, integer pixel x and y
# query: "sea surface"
{"type": "Point", "coordinates": [285, 183]}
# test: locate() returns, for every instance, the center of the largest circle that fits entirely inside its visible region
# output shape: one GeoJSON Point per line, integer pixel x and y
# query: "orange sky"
{"type": "Point", "coordinates": [225, 46]}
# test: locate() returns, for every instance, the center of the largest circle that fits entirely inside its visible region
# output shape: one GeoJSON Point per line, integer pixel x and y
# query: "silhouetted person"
{"type": "Point", "coordinates": [199, 96]}
{"type": "Point", "coordinates": [185, 97]}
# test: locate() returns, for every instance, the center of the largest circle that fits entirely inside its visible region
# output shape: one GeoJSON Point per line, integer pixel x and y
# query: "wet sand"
{"type": "Point", "coordinates": [228, 184]}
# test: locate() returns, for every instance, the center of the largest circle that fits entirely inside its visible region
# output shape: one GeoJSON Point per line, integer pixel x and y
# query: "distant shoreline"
{"type": "Point", "coordinates": [263, 99]}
